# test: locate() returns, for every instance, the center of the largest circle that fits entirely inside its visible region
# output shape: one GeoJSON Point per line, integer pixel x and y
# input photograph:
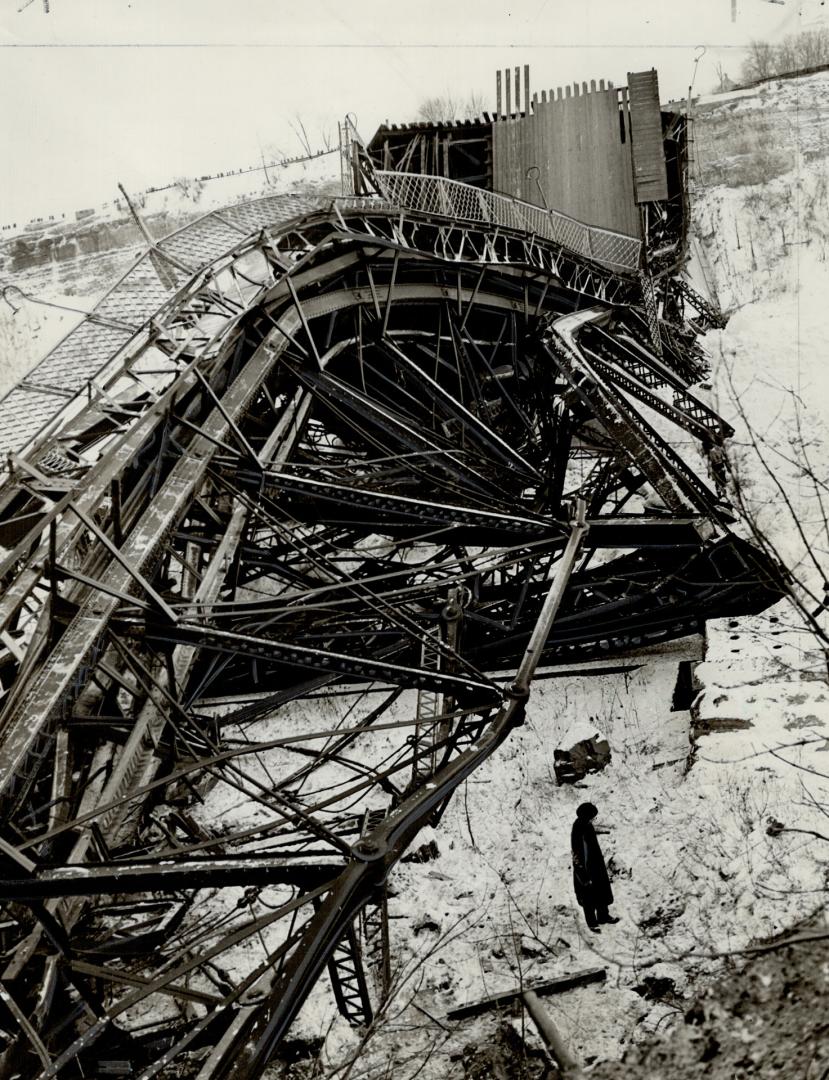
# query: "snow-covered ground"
{"type": "Point", "coordinates": [695, 871]}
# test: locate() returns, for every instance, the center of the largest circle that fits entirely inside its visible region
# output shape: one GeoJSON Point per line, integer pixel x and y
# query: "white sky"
{"type": "Point", "coordinates": [142, 91]}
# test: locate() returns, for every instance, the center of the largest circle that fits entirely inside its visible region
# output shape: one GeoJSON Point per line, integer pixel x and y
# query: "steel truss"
{"type": "Point", "coordinates": [278, 560]}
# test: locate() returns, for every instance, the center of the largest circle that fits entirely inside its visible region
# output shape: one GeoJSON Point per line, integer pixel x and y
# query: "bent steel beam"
{"type": "Point", "coordinates": [331, 426]}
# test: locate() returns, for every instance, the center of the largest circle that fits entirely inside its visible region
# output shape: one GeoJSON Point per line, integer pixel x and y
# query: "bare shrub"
{"type": "Point", "coordinates": [189, 187]}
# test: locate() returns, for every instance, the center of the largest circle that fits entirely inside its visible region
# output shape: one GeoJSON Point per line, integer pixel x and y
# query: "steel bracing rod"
{"type": "Point", "coordinates": [408, 509]}
{"type": "Point", "coordinates": [672, 481]}
{"type": "Point", "coordinates": [383, 416]}
{"type": "Point", "coordinates": [397, 615]}
{"type": "Point", "coordinates": [413, 396]}
{"type": "Point", "coordinates": [170, 974]}
{"type": "Point", "coordinates": [495, 444]}
{"type": "Point", "coordinates": [167, 876]}
{"type": "Point", "coordinates": [405, 429]}
{"type": "Point", "coordinates": [253, 1045]}
{"type": "Point", "coordinates": [396, 427]}
{"type": "Point", "coordinates": [502, 390]}
{"type": "Point", "coordinates": [266, 648]}
{"type": "Point", "coordinates": [124, 562]}
{"type": "Point", "coordinates": [125, 978]}
{"type": "Point", "coordinates": [296, 811]}
{"type": "Point", "coordinates": [468, 567]}
{"type": "Point", "coordinates": [264, 794]}
{"type": "Point", "coordinates": [291, 812]}
{"type": "Point", "coordinates": [397, 760]}
{"type": "Point", "coordinates": [256, 981]}
{"type": "Point", "coordinates": [337, 743]}
{"type": "Point", "coordinates": [563, 572]}
{"type": "Point", "coordinates": [188, 769]}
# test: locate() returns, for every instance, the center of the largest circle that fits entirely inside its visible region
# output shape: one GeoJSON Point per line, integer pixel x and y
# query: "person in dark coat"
{"type": "Point", "coordinates": [590, 878]}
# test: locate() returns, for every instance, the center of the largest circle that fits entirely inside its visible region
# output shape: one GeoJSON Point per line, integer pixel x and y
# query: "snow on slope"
{"type": "Point", "coordinates": [765, 246]}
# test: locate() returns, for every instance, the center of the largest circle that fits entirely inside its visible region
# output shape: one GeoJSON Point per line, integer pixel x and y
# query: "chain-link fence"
{"type": "Point", "coordinates": [463, 202]}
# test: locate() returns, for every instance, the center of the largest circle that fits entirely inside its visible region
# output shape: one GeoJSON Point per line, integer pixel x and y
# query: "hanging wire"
{"type": "Point", "coordinates": [91, 316]}
{"type": "Point", "coordinates": [696, 64]}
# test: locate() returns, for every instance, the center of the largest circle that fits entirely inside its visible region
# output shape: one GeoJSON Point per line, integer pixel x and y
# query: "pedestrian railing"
{"type": "Point", "coordinates": [462, 202]}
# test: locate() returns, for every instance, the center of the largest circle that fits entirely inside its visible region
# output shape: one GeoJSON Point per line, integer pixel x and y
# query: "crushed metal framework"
{"type": "Point", "coordinates": [303, 538]}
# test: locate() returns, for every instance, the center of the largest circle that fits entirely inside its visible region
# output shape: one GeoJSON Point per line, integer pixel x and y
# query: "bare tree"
{"type": "Point", "coordinates": [804, 580]}
{"type": "Point", "coordinates": [724, 83]}
{"type": "Point", "coordinates": [448, 107]}
{"type": "Point", "coordinates": [787, 54]}
{"type": "Point", "coordinates": [760, 62]}
{"type": "Point", "coordinates": [797, 52]}
{"type": "Point", "coordinates": [298, 129]}
{"type": "Point", "coordinates": [812, 48]}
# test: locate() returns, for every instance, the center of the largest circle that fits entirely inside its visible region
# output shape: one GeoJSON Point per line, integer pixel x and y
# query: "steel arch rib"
{"type": "Point", "coordinates": [326, 431]}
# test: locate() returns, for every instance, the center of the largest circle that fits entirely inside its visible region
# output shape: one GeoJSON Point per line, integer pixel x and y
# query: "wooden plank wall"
{"type": "Point", "coordinates": [574, 138]}
{"type": "Point", "coordinates": [650, 175]}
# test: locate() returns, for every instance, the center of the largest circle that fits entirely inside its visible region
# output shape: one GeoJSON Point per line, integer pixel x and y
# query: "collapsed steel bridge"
{"type": "Point", "coordinates": [326, 488]}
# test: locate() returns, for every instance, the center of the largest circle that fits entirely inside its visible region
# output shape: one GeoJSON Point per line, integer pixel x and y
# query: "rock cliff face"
{"type": "Point", "coordinates": [110, 228]}
{"type": "Point", "coordinates": [64, 242]}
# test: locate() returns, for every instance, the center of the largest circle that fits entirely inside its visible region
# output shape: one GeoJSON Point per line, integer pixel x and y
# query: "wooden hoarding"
{"type": "Point", "coordinates": [579, 140]}
{"type": "Point", "coordinates": [650, 178]}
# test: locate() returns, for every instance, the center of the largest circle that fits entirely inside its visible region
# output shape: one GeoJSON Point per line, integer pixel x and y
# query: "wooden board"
{"type": "Point", "coordinates": [550, 986]}
{"type": "Point", "coordinates": [650, 176]}
{"type": "Point", "coordinates": [583, 154]}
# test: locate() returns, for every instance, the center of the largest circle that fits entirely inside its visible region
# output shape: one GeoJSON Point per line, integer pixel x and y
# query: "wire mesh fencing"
{"type": "Point", "coordinates": [447, 198]}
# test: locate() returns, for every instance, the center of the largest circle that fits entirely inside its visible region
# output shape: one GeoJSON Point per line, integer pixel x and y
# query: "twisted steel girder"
{"type": "Point", "coordinates": [259, 518]}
